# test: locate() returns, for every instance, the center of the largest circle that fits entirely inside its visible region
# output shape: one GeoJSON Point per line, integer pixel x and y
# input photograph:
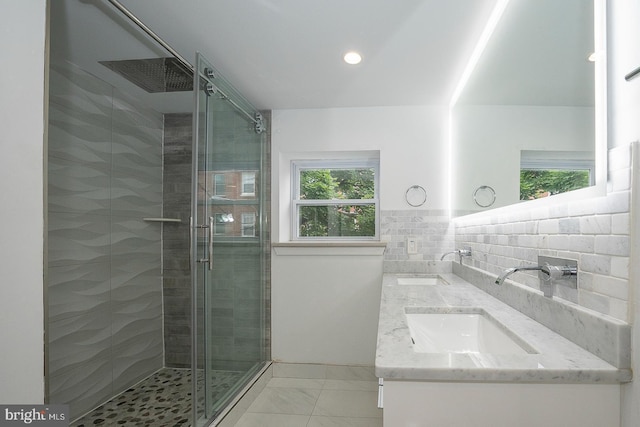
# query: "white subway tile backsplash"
{"type": "Point", "coordinates": [612, 245]}
{"type": "Point", "coordinates": [620, 267]}
{"type": "Point", "coordinates": [613, 203]}
{"type": "Point", "coordinates": [595, 263]}
{"type": "Point", "coordinates": [620, 223]}
{"type": "Point", "coordinates": [618, 308]}
{"type": "Point", "coordinates": [431, 228]}
{"type": "Point", "coordinates": [599, 224]}
{"type": "Point", "coordinates": [569, 226]}
{"type": "Point", "coordinates": [581, 243]}
{"type": "Point", "coordinates": [611, 286]}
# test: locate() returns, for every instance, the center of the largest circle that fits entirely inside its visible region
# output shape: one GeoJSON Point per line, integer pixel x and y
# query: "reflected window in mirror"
{"type": "Point", "coordinates": [546, 173]}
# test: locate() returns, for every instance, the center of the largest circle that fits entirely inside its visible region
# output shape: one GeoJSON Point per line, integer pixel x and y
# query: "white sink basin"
{"type": "Point", "coordinates": [461, 330]}
{"type": "Point", "coordinates": [421, 280]}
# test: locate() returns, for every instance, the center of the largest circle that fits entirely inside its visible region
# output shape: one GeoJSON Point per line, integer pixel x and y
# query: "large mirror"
{"type": "Point", "coordinates": [525, 124]}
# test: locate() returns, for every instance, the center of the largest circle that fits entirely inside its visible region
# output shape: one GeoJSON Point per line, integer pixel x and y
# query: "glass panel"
{"type": "Point", "coordinates": [536, 183]}
{"type": "Point", "coordinates": [331, 184]}
{"type": "Point", "coordinates": [336, 220]}
{"type": "Point", "coordinates": [230, 336]}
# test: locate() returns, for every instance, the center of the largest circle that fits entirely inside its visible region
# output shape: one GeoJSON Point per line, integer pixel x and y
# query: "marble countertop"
{"type": "Point", "coordinates": [557, 360]}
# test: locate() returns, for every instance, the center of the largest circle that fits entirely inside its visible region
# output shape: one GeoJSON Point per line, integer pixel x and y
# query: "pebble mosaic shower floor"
{"type": "Point", "coordinates": [161, 400]}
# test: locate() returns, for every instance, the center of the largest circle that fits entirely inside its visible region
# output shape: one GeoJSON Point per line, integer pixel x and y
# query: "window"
{"type": "Point", "coordinates": [545, 173]}
{"type": "Point", "coordinates": [219, 226]}
{"type": "Point", "coordinates": [248, 224]}
{"type": "Point", "coordinates": [248, 184]}
{"type": "Point", "coordinates": [335, 199]}
{"type": "Point", "coordinates": [219, 185]}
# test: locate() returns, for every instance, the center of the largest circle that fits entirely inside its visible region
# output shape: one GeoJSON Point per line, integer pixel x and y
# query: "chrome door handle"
{"type": "Point", "coordinates": [211, 230]}
{"type": "Point", "coordinates": [210, 226]}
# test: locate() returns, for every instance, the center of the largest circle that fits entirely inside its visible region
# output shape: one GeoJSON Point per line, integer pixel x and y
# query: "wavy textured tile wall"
{"type": "Point", "coordinates": [104, 287]}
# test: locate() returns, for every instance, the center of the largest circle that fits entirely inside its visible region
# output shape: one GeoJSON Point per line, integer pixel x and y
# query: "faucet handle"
{"type": "Point", "coordinates": [464, 252]}
{"type": "Point", "coordinates": [558, 271]}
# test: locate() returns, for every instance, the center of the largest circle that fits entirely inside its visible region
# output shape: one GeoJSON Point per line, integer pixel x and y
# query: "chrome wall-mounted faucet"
{"type": "Point", "coordinates": [552, 271]}
{"type": "Point", "coordinates": [466, 252]}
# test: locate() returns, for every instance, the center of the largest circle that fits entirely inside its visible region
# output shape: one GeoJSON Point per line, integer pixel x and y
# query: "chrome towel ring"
{"type": "Point", "coordinates": [484, 196]}
{"type": "Point", "coordinates": [415, 196]}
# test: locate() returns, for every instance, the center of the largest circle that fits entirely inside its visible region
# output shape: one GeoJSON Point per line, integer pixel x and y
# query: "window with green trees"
{"type": "Point", "coordinates": [537, 183]}
{"type": "Point", "coordinates": [335, 199]}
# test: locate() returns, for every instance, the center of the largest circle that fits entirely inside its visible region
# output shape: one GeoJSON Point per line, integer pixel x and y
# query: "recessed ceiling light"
{"type": "Point", "coordinates": [352, 58]}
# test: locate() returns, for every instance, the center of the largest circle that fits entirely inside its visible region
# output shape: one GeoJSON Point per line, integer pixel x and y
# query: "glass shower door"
{"type": "Point", "coordinates": [227, 244]}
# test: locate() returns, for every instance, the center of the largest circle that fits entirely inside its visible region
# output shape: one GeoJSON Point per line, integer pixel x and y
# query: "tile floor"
{"type": "Point", "coordinates": [316, 396]}
{"type": "Point", "coordinates": [161, 400]}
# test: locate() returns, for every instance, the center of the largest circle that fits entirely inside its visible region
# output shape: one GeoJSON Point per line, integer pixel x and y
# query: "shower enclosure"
{"type": "Point", "coordinates": [228, 240]}
{"type": "Point", "coordinates": [157, 260]}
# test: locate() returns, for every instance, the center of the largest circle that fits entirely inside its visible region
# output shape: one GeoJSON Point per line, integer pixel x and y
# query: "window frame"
{"type": "Point", "coordinates": [252, 179]}
{"type": "Point", "coordinates": [297, 166]}
{"type": "Point", "coordinates": [217, 186]}
{"type": "Point", "coordinates": [247, 225]}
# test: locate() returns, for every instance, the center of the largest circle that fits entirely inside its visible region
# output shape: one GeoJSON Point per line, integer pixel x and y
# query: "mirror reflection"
{"type": "Point", "coordinates": [524, 123]}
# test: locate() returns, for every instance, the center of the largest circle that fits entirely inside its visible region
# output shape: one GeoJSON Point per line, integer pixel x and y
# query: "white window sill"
{"type": "Point", "coordinates": [329, 248]}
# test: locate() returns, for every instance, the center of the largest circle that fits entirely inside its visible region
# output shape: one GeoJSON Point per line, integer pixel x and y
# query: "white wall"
{"type": "Point", "coordinates": [22, 44]}
{"type": "Point", "coordinates": [624, 127]}
{"type": "Point", "coordinates": [325, 305]}
{"type": "Point", "coordinates": [325, 302]}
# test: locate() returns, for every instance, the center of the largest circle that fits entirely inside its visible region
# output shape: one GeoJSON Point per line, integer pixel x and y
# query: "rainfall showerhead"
{"type": "Point", "coordinates": [154, 75]}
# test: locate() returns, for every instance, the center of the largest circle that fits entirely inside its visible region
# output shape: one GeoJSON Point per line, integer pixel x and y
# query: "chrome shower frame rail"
{"type": "Point", "coordinates": [255, 119]}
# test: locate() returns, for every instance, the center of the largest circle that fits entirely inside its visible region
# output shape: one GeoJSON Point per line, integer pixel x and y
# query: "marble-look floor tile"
{"type": "Point", "coordinates": [361, 373]}
{"type": "Point", "coordinates": [272, 420]}
{"type": "Point", "coordinates": [292, 370]}
{"type": "Point", "coordinates": [348, 403]}
{"type": "Point", "coordinates": [281, 400]}
{"type": "Point", "coordinates": [350, 385]}
{"type": "Point", "coordinates": [316, 421]}
{"type": "Point", "coordinates": [297, 383]}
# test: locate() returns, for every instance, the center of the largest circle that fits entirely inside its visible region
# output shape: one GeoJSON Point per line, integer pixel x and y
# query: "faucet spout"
{"type": "Point", "coordinates": [508, 272]}
{"type": "Point", "coordinates": [448, 253]}
{"type": "Point", "coordinates": [460, 252]}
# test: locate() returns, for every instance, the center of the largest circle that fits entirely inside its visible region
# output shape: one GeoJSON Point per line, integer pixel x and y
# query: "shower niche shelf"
{"type": "Point", "coordinates": [162, 219]}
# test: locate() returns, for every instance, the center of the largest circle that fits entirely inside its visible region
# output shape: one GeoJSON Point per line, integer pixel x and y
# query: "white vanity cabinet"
{"type": "Point", "coordinates": [461, 404]}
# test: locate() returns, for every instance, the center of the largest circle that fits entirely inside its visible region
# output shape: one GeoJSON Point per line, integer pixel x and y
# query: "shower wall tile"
{"type": "Point", "coordinates": [78, 238]}
{"type": "Point", "coordinates": [133, 237]}
{"type": "Point", "coordinates": [86, 385]}
{"type": "Point", "coordinates": [78, 288]}
{"type": "Point", "coordinates": [77, 340]}
{"type": "Point", "coordinates": [79, 141]}
{"type": "Point", "coordinates": [132, 364]}
{"type": "Point", "coordinates": [104, 276]}
{"type": "Point", "coordinates": [134, 281]}
{"type": "Point", "coordinates": [70, 85]}
{"type": "Point", "coordinates": [80, 110]}
{"type": "Point", "coordinates": [176, 267]}
{"type": "Point", "coordinates": [135, 197]}
{"type": "Point", "coordinates": [78, 187]}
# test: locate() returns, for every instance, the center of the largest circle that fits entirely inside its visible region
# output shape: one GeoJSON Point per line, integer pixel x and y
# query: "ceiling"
{"type": "Point", "coordinates": [287, 54]}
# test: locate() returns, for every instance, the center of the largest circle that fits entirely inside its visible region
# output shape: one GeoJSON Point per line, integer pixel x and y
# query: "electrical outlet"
{"type": "Point", "coordinates": [412, 245]}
